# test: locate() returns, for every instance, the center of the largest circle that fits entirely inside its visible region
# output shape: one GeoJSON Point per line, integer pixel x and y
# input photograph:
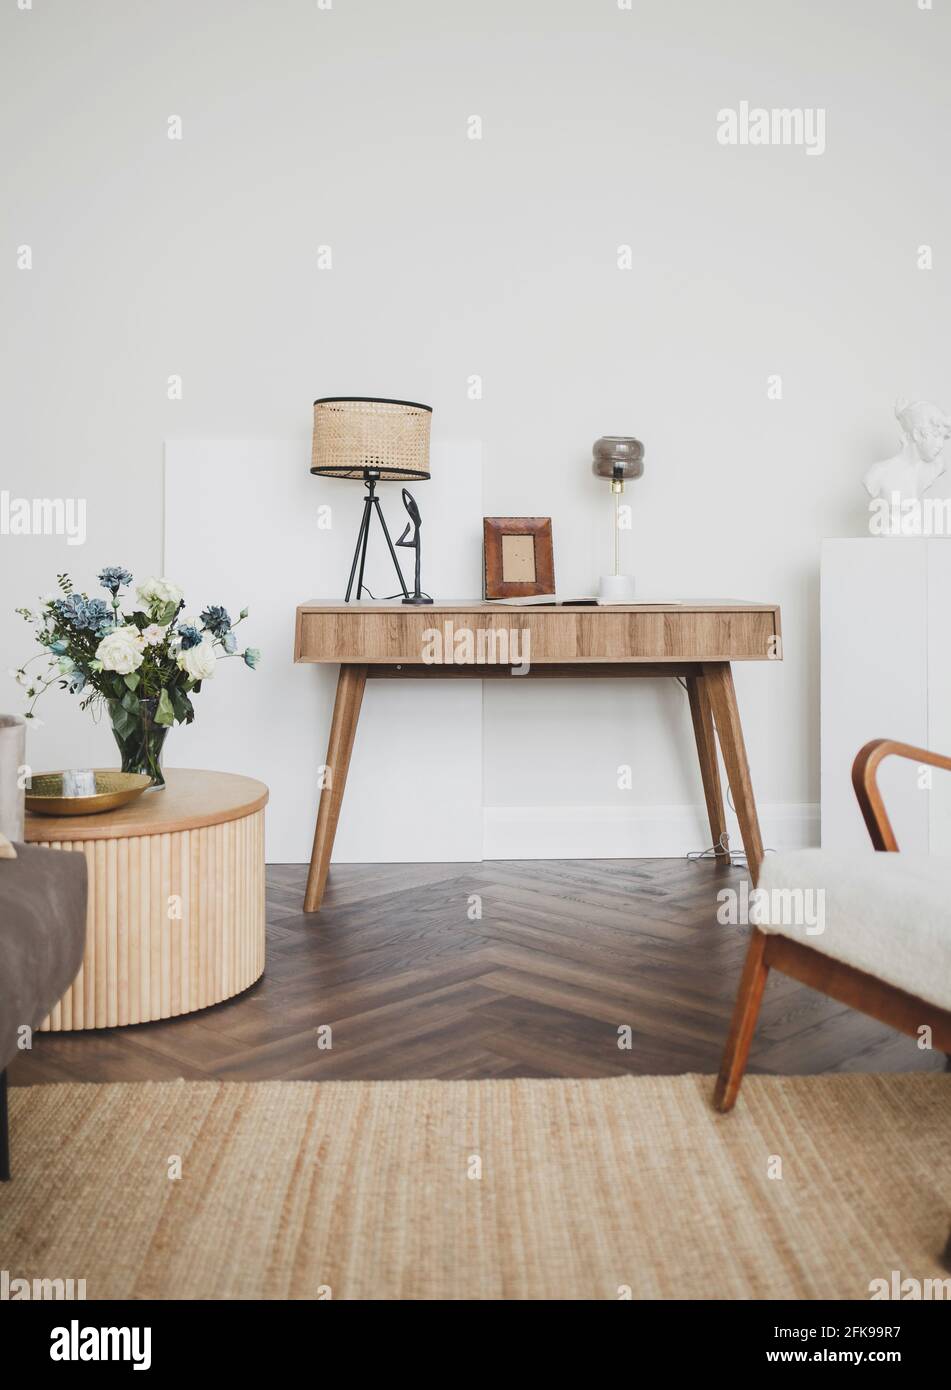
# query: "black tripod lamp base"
{"type": "Point", "coordinates": [371, 501]}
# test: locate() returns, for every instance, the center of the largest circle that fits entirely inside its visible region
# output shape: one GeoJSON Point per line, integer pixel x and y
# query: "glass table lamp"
{"type": "Point", "coordinates": [618, 459]}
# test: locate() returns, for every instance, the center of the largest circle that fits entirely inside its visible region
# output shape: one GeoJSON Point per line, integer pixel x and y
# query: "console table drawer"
{"type": "Point", "coordinates": [665, 633]}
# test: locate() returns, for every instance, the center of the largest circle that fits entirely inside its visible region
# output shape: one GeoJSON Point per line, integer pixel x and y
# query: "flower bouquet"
{"type": "Point", "coordinates": [144, 666]}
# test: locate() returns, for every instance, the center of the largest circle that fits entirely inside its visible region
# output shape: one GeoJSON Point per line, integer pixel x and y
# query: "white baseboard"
{"type": "Point", "coordinates": [630, 832]}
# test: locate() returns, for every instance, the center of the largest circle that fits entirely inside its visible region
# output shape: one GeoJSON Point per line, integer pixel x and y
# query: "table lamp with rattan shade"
{"type": "Point", "coordinates": [374, 440]}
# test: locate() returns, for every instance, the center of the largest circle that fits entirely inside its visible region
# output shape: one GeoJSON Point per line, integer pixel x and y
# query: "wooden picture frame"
{"type": "Point", "coordinates": [519, 557]}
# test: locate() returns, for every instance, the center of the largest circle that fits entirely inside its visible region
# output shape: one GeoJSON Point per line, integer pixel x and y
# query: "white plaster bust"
{"type": "Point", "coordinates": [925, 429]}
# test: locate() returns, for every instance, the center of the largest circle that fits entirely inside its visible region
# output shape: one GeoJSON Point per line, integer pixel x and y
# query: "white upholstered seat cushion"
{"type": "Point", "coordinates": [886, 914]}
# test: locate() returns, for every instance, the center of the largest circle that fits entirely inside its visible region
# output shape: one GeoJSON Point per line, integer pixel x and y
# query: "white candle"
{"type": "Point", "coordinates": [79, 781]}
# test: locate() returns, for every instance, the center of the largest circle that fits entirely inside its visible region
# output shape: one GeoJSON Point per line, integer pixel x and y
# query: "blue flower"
{"type": "Point", "coordinates": [230, 643]}
{"type": "Point", "coordinates": [58, 648]}
{"type": "Point", "coordinates": [113, 578]}
{"type": "Point", "coordinates": [189, 636]}
{"type": "Point", "coordinates": [216, 620]}
{"type": "Point", "coordinates": [76, 682]}
{"type": "Point", "coordinates": [251, 657]}
{"type": "Point", "coordinates": [83, 614]}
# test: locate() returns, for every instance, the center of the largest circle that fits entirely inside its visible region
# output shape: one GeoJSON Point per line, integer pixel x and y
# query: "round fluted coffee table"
{"type": "Point", "coordinates": [175, 918]}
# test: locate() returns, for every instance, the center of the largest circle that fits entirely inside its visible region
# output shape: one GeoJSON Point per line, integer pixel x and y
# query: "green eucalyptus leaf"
{"type": "Point", "coordinates": [182, 706]}
{"type": "Point", "coordinates": [165, 714]}
{"type": "Point", "coordinates": [132, 680]}
{"type": "Point", "coordinates": [123, 722]}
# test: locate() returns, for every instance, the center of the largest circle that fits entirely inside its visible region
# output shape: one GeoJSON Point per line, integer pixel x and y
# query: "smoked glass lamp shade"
{"type": "Point", "coordinates": [357, 437]}
{"type": "Point", "coordinates": [617, 458]}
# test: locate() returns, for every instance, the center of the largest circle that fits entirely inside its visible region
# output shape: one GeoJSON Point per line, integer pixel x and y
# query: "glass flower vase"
{"type": "Point", "coordinates": [139, 738]}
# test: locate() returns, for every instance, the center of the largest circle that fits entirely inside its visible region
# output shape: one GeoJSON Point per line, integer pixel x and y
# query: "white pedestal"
{"type": "Point", "coordinates": [616, 588]}
{"type": "Point", "coordinates": [886, 673]}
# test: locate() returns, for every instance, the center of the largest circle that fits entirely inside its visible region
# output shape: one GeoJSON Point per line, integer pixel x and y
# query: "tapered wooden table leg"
{"type": "Point", "coordinates": [702, 716]}
{"type": "Point", "coordinates": [719, 682]}
{"type": "Point", "coordinates": [343, 728]}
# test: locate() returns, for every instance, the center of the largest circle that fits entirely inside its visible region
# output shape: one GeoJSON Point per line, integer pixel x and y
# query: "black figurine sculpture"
{"type": "Point", "coordinates": [415, 521]}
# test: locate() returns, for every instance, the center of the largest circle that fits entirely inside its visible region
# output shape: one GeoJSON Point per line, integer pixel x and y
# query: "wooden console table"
{"type": "Point", "coordinates": [696, 642]}
{"type": "Point", "coordinates": [175, 915]}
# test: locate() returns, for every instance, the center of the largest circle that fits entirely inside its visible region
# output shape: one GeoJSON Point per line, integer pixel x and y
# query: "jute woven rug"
{"type": "Point", "coordinates": [480, 1189]}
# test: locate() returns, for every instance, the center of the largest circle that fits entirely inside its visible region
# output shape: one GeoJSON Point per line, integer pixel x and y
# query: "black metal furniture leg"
{"type": "Point", "coordinates": [363, 553]}
{"type": "Point", "coordinates": [4, 1131]}
{"type": "Point", "coordinates": [362, 535]}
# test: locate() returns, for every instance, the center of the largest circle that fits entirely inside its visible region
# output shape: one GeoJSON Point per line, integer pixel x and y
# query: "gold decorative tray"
{"type": "Point", "coordinates": [45, 795]}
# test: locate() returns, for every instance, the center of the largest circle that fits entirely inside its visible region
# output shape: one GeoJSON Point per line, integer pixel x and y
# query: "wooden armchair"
{"type": "Point", "coordinates": [885, 946]}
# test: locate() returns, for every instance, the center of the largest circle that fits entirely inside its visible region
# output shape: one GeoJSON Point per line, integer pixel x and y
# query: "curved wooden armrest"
{"type": "Point", "coordinates": [870, 801]}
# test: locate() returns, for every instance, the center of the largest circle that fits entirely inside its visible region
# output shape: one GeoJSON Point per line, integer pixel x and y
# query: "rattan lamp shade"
{"type": "Point", "coordinates": [355, 434]}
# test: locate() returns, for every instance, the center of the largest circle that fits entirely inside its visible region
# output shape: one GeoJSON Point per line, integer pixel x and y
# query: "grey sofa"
{"type": "Point", "coordinates": [42, 924]}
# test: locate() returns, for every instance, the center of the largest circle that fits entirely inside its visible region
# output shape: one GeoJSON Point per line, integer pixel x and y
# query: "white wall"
{"type": "Point", "coordinates": [241, 519]}
{"type": "Point", "coordinates": [452, 257]}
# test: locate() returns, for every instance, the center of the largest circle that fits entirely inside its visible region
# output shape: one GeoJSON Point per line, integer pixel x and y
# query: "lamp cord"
{"type": "Point", "coordinates": [365, 588]}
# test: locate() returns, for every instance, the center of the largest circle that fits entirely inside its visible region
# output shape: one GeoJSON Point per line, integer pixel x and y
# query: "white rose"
{"type": "Point", "coordinates": [198, 661]}
{"type": "Point", "coordinates": [159, 591]}
{"type": "Point", "coordinates": [121, 650]}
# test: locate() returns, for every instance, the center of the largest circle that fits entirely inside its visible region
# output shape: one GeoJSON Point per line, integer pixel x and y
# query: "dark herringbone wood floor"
{"type": "Point", "coordinates": [413, 984]}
